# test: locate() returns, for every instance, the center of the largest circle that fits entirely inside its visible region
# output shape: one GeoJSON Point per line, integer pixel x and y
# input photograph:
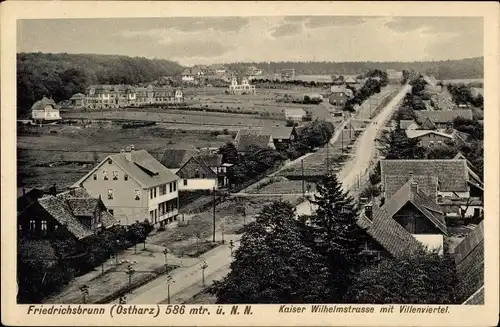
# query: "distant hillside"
{"type": "Point", "coordinates": [62, 75]}
{"type": "Point", "coordinates": [448, 69]}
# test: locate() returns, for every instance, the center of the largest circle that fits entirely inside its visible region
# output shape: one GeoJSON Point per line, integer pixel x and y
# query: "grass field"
{"type": "Point", "coordinates": [221, 120]}
{"type": "Point", "coordinates": [284, 186]}
{"type": "Point", "coordinates": [179, 238]}
{"type": "Point", "coordinates": [78, 147]}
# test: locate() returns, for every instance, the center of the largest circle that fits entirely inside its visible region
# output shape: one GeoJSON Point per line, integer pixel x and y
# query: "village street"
{"type": "Point", "coordinates": [357, 167]}
{"type": "Point", "coordinates": [188, 279]}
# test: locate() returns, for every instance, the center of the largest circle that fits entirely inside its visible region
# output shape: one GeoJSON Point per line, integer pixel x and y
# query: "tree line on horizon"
{"type": "Point", "coordinates": [443, 69]}
{"type": "Point", "coordinates": [60, 75]}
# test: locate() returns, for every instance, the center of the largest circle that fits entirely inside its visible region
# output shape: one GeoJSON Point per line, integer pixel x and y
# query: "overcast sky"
{"type": "Point", "coordinates": [200, 40]}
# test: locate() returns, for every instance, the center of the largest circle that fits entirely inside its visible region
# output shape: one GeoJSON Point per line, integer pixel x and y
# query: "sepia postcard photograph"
{"type": "Point", "coordinates": [253, 163]}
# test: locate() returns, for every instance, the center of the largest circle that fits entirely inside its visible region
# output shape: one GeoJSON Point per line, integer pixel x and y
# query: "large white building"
{"type": "Point", "coordinates": [134, 186]}
{"type": "Point", "coordinates": [244, 88]}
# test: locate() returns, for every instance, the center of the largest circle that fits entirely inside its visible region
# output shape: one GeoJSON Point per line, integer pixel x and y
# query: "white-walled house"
{"type": "Point", "coordinates": [45, 110]}
{"type": "Point", "coordinates": [198, 170]}
{"type": "Point", "coordinates": [134, 186]}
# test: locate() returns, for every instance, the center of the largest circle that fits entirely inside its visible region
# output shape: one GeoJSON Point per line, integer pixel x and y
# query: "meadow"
{"type": "Point", "coordinates": [62, 154]}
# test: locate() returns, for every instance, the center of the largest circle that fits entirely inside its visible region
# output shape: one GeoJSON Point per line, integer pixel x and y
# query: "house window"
{"type": "Point", "coordinates": [185, 182]}
{"type": "Point", "coordinates": [125, 177]}
{"type": "Point", "coordinates": [163, 189]}
{"type": "Point", "coordinates": [110, 194]}
{"type": "Point", "coordinates": [32, 225]}
{"type": "Point", "coordinates": [204, 175]}
{"type": "Point", "coordinates": [115, 175]}
{"type": "Point", "coordinates": [95, 177]}
{"type": "Point", "coordinates": [105, 174]}
{"type": "Point", "coordinates": [151, 215]}
{"type": "Point", "coordinates": [137, 194]}
{"type": "Point", "coordinates": [154, 192]}
{"type": "Point", "coordinates": [197, 175]}
{"type": "Point", "coordinates": [431, 144]}
{"type": "Point", "coordinates": [171, 187]}
{"type": "Point", "coordinates": [44, 225]}
{"type": "Point", "coordinates": [477, 212]}
{"type": "Point", "coordinates": [110, 161]}
{"type": "Point", "coordinates": [150, 193]}
{"type": "Point", "coordinates": [175, 186]}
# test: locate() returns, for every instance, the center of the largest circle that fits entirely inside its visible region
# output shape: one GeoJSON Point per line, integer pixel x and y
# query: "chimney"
{"type": "Point", "coordinates": [414, 187]}
{"type": "Point", "coordinates": [369, 211]}
{"type": "Point", "coordinates": [128, 154]}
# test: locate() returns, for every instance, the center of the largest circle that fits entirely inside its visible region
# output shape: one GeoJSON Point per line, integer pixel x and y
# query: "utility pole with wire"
{"type": "Point", "coordinates": [302, 169]}
{"type": "Point", "coordinates": [213, 234]}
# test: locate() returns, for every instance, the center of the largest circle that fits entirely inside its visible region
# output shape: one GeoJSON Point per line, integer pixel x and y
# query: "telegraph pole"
{"type": "Point", "coordinates": [302, 168]}
{"type": "Point", "coordinates": [327, 157]}
{"type": "Point", "coordinates": [213, 235]}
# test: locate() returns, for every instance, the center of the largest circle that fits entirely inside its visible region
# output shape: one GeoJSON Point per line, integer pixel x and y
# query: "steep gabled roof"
{"type": "Point", "coordinates": [452, 174]}
{"type": "Point", "coordinates": [420, 200]}
{"type": "Point", "coordinates": [83, 206]}
{"type": "Point", "coordinates": [176, 158]}
{"type": "Point", "coordinates": [425, 123]}
{"type": "Point", "coordinates": [392, 184]}
{"type": "Point", "coordinates": [63, 214]}
{"type": "Point", "coordinates": [389, 233]}
{"type": "Point", "coordinates": [209, 172]}
{"type": "Point", "coordinates": [405, 124]}
{"type": "Point", "coordinates": [210, 159]}
{"type": "Point", "coordinates": [142, 167]}
{"type": "Point", "coordinates": [248, 140]}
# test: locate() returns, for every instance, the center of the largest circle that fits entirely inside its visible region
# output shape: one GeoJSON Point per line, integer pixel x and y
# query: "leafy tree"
{"type": "Point", "coordinates": [402, 147]}
{"type": "Point", "coordinates": [336, 233]}
{"type": "Point", "coordinates": [272, 264]}
{"type": "Point", "coordinates": [424, 278]}
{"type": "Point", "coordinates": [229, 153]}
{"type": "Point", "coordinates": [316, 134]}
{"type": "Point", "coordinates": [472, 127]}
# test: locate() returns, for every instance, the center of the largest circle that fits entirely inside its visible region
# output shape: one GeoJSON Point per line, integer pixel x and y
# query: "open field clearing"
{"type": "Point", "coordinates": [65, 157]}
{"type": "Point", "coordinates": [186, 117]}
{"type": "Point", "coordinates": [284, 186]}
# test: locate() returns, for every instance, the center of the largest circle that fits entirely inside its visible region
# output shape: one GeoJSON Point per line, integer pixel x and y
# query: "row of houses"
{"type": "Point", "coordinates": [121, 96]}
{"type": "Point", "coordinates": [434, 128]}
{"type": "Point", "coordinates": [195, 74]}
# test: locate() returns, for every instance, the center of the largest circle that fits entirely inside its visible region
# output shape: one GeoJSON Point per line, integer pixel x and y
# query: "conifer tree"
{"type": "Point", "coordinates": [336, 233]}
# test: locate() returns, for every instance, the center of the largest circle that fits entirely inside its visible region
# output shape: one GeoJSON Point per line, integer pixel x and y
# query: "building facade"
{"type": "Point", "coordinates": [134, 186]}
{"type": "Point", "coordinates": [244, 88]}
{"type": "Point", "coordinates": [45, 110]}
